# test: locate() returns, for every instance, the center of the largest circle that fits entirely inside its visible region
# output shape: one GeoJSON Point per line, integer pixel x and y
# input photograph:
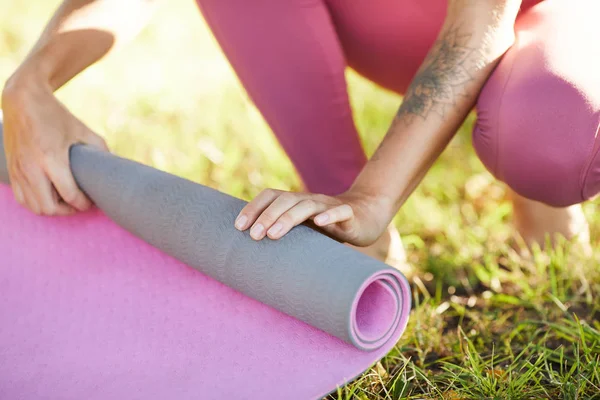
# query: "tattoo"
{"type": "Point", "coordinates": [443, 78]}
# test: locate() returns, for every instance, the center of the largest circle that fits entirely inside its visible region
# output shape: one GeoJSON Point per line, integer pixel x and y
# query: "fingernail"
{"type": "Point", "coordinates": [321, 219]}
{"type": "Point", "coordinates": [240, 223]}
{"type": "Point", "coordinates": [257, 231]}
{"type": "Point", "coordinates": [275, 229]}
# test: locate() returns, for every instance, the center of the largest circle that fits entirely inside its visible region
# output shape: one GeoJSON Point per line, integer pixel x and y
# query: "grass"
{"type": "Point", "coordinates": [487, 324]}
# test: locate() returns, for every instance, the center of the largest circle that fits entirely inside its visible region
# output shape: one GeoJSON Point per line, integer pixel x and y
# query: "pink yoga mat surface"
{"type": "Point", "coordinates": [88, 311]}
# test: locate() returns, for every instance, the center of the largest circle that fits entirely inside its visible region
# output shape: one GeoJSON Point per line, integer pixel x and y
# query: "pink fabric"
{"type": "Point", "coordinates": [88, 311]}
{"type": "Point", "coordinates": [538, 113]}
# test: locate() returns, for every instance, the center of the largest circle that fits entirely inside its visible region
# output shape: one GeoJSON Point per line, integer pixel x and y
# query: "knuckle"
{"type": "Point", "coordinates": [349, 210]}
{"type": "Point", "coordinates": [49, 209]}
{"type": "Point", "coordinates": [47, 155]}
{"type": "Point", "coordinates": [346, 209]}
{"type": "Point", "coordinates": [267, 192]}
{"type": "Point", "coordinates": [21, 167]}
{"type": "Point", "coordinates": [249, 211]}
{"type": "Point", "coordinates": [310, 203]}
{"type": "Point", "coordinates": [18, 164]}
{"type": "Point", "coordinates": [268, 217]}
{"type": "Point", "coordinates": [287, 196]}
{"type": "Point", "coordinates": [46, 152]}
{"type": "Point", "coordinates": [352, 236]}
{"type": "Point", "coordinates": [286, 219]}
{"type": "Point", "coordinates": [44, 162]}
{"type": "Point", "coordinates": [322, 198]}
{"type": "Point", "coordinates": [26, 175]}
{"type": "Point", "coordinates": [70, 196]}
{"type": "Point", "coordinates": [12, 95]}
{"type": "Point", "coordinates": [101, 143]}
{"type": "Point", "coordinates": [333, 214]}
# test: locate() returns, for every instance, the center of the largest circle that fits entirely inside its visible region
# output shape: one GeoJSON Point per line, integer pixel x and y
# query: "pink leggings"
{"type": "Point", "coordinates": [538, 114]}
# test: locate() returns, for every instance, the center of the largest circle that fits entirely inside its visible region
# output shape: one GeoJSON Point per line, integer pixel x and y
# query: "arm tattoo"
{"type": "Point", "coordinates": [443, 78]}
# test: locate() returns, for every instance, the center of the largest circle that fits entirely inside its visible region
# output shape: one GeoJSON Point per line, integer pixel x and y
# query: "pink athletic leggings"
{"type": "Point", "coordinates": [538, 114]}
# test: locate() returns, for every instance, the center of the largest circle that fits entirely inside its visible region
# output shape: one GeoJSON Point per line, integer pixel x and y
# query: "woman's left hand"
{"type": "Point", "coordinates": [351, 217]}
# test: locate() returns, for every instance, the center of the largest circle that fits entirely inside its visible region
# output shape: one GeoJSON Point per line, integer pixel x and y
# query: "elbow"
{"type": "Point", "coordinates": [498, 41]}
{"type": "Point", "coordinates": [490, 23]}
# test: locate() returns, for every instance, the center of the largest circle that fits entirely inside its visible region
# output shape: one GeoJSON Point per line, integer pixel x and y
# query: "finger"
{"type": "Point", "coordinates": [30, 199]}
{"type": "Point", "coordinates": [96, 141]}
{"type": "Point", "coordinates": [14, 179]}
{"type": "Point", "coordinates": [62, 179]}
{"type": "Point", "coordinates": [345, 230]}
{"type": "Point", "coordinates": [46, 196]}
{"type": "Point", "coordinates": [18, 192]}
{"type": "Point", "coordinates": [21, 190]}
{"type": "Point", "coordinates": [334, 215]}
{"type": "Point", "coordinates": [273, 212]}
{"type": "Point", "coordinates": [252, 210]}
{"type": "Point", "coordinates": [296, 215]}
{"type": "Point", "coordinates": [62, 209]}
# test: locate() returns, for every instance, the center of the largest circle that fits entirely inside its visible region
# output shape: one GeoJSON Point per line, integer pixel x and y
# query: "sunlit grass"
{"type": "Point", "coordinates": [486, 324]}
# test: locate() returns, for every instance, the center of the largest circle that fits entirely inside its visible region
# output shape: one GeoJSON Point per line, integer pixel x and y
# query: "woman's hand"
{"type": "Point", "coordinates": [38, 132]}
{"type": "Point", "coordinates": [351, 217]}
{"type": "Point", "coordinates": [38, 129]}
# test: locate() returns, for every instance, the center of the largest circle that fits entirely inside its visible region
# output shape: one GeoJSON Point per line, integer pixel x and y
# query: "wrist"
{"type": "Point", "coordinates": [26, 82]}
{"type": "Point", "coordinates": [39, 70]}
{"type": "Point", "coordinates": [381, 207]}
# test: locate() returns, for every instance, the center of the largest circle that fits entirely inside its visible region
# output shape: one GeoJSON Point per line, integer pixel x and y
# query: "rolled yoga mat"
{"type": "Point", "coordinates": [104, 304]}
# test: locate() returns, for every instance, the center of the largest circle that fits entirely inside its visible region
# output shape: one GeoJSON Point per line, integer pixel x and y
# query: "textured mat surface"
{"type": "Point", "coordinates": [91, 310]}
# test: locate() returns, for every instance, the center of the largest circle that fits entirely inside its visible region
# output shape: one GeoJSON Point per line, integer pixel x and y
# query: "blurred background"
{"type": "Point", "coordinates": [169, 99]}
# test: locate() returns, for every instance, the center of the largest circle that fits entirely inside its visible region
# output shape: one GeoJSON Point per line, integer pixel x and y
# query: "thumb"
{"type": "Point", "coordinates": [339, 233]}
{"type": "Point", "coordinates": [350, 231]}
{"type": "Point", "coordinates": [95, 140]}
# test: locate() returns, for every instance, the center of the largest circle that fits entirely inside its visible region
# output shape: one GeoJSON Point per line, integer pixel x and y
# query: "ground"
{"type": "Point", "coordinates": [487, 323]}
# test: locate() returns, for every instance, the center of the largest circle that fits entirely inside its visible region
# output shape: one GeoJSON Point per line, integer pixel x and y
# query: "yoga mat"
{"type": "Point", "coordinates": [155, 295]}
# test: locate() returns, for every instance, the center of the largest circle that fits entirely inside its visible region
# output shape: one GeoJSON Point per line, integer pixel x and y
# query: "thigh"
{"type": "Point", "coordinates": [538, 114]}
{"type": "Point", "coordinates": [289, 59]}
{"type": "Point", "coordinates": [387, 40]}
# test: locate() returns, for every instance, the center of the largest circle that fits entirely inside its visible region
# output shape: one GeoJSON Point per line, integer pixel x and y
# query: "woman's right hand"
{"type": "Point", "coordinates": [38, 132]}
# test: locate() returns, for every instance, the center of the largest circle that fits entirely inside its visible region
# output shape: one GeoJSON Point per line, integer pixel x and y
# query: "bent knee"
{"type": "Point", "coordinates": [539, 136]}
{"type": "Point", "coordinates": [539, 112]}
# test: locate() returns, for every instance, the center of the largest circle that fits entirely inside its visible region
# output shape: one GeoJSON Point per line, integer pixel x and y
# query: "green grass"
{"type": "Point", "coordinates": [486, 324]}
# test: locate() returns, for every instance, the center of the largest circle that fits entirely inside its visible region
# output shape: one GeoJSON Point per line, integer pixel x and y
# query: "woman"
{"type": "Point", "coordinates": [524, 64]}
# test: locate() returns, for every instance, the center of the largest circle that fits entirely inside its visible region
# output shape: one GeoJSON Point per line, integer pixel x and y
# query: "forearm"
{"type": "Point", "coordinates": [80, 33]}
{"type": "Point", "coordinates": [475, 35]}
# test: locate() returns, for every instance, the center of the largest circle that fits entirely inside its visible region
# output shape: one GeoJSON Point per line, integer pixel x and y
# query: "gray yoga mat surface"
{"type": "Point", "coordinates": [305, 274]}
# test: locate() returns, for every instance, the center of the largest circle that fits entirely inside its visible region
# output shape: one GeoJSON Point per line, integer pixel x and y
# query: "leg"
{"type": "Point", "coordinates": [288, 57]}
{"type": "Point", "coordinates": [387, 40]}
{"type": "Point", "coordinates": [538, 118]}
{"type": "Point", "coordinates": [534, 220]}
